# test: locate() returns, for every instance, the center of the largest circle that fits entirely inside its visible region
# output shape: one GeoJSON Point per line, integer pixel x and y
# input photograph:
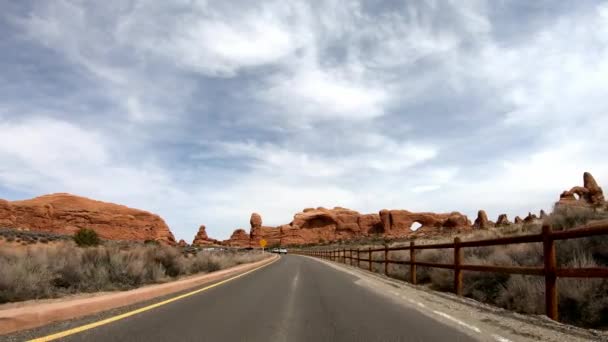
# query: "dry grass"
{"type": "Point", "coordinates": [48, 271]}
{"type": "Point", "coordinates": [583, 302]}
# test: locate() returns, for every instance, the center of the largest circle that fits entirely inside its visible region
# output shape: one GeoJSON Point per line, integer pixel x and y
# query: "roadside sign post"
{"type": "Point", "coordinates": [263, 244]}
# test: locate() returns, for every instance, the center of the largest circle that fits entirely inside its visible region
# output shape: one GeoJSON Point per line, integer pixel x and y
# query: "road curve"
{"type": "Point", "coordinates": [294, 299]}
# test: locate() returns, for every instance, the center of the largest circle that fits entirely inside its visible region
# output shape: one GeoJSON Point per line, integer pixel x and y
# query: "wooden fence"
{"type": "Point", "coordinates": [549, 270]}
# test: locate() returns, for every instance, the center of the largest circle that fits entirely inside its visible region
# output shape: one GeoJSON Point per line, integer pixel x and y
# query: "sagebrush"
{"type": "Point", "coordinates": [48, 271]}
{"type": "Point", "coordinates": [582, 302]}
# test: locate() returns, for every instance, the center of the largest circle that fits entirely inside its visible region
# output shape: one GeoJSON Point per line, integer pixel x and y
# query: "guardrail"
{"type": "Point", "coordinates": [549, 270]}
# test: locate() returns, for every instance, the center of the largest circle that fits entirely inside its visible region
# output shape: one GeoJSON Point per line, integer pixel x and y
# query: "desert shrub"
{"type": "Point", "coordinates": [582, 302]}
{"type": "Point", "coordinates": [436, 276]}
{"type": "Point", "coordinates": [85, 237]}
{"type": "Point", "coordinates": [47, 271]}
{"type": "Point", "coordinates": [570, 217]}
{"type": "Point", "coordinates": [523, 294]}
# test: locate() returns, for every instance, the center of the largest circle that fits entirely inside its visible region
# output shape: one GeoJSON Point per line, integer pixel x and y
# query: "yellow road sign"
{"type": "Point", "coordinates": [262, 243]}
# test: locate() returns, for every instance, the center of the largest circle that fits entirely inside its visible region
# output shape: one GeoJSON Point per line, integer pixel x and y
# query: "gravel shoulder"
{"type": "Point", "coordinates": [488, 322]}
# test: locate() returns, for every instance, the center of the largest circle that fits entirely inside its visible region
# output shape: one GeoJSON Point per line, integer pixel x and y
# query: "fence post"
{"type": "Point", "coordinates": [358, 259]}
{"type": "Point", "coordinates": [369, 254]}
{"type": "Point", "coordinates": [550, 276]}
{"type": "Point", "coordinates": [457, 270]}
{"type": "Point", "coordinates": [344, 256]}
{"type": "Point", "coordinates": [386, 260]}
{"type": "Point", "coordinates": [412, 263]}
{"type": "Point", "coordinates": [350, 256]}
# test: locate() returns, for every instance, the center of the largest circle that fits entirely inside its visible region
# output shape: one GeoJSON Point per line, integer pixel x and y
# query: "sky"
{"type": "Point", "coordinates": [206, 111]}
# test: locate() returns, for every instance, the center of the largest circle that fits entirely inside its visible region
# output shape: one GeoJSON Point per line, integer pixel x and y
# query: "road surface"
{"type": "Point", "coordinates": [293, 299]}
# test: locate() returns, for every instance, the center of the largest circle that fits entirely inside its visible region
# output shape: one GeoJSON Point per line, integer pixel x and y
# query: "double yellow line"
{"type": "Point", "coordinates": [140, 310]}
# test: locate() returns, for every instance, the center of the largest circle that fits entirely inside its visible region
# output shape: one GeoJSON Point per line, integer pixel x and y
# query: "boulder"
{"type": "Point", "coordinates": [65, 214]}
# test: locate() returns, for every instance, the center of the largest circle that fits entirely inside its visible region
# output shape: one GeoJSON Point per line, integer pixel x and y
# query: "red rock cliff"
{"type": "Point", "coordinates": [326, 225]}
{"type": "Point", "coordinates": [65, 214]}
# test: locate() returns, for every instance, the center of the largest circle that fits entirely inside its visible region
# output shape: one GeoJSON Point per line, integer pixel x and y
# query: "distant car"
{"type": "Point", "coordinates": [274, 250]}
{"type": "Point", "coordinates": [283, 251]}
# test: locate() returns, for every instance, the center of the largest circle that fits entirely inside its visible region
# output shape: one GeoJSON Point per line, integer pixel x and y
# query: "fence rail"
{"type": "Point", "coordinates": [549, 269]}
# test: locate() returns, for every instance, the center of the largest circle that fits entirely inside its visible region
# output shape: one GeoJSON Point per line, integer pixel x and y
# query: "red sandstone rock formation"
{"type": "Point", "coordinates": [400, 221]}
{"type": "Point", "coordinates": [589, 195]}
{"type": "Point", "coordinates": [531, 218]}
{"type": "Point", "coordinates": [65, 214]}
{"type": "Point", "coordinates": [201, 238]}
{"type": "Point", "coordinates": [182, 243]}
{"type": "Point", "coordinates": [502, 221]}
{"type": "Point", "coordinates": [327, 225]}
{"type": "Point", "coordinates": [321, 225]}
{"type": "Point", "coordinates": [239, 238]}
{"type": "Point", "coordinates": [258, 232]}
{"type": "Point", "coordinates": [518, 220]}
{"type": "Point", "coordinates": [543, 214]}
{"type": "Point", "coordinates": [482, 222]}
{"type": "Point", "coordinates": [370, 224]}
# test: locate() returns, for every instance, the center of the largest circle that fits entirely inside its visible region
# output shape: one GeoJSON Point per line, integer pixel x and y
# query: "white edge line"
{"type": "Point", "coordinates": [444, 315]}
{"type": "Point", "coordinates": [500, 338]}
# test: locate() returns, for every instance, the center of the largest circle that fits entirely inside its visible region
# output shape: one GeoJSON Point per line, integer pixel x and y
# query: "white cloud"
{"type": "Point", "coordinates": [387, 156]}
{"type": "Point", "coordinates": [339, 81]}
{"type": "Point", "coordinates": [40, 155]}
{"type": "Point", "coordinates": [41, 142]}
{"type": "Point", "coordinates": [559, 74]}
{"type": "Point", "coordinates": [219, 43]}
{"type": "Point", "coordinates": [317, 94]}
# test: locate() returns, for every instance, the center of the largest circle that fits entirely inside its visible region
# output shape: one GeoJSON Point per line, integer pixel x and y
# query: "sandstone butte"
{"type": "Point", "coordinates": [324, 225]}
{"type": "Point", "coordinates": [65, 214]}
{"type": "Point", "coordinates": [327, 225]}
{"type": "Point", "coordinates": [201, 238]}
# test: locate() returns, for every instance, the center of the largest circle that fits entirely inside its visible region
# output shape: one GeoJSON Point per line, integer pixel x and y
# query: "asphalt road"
{"type": "Point", "coordinates": [293, 299]}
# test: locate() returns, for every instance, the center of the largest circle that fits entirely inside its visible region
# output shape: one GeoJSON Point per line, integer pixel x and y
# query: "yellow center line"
{"type": "Point", "coordinates": [140, 310]}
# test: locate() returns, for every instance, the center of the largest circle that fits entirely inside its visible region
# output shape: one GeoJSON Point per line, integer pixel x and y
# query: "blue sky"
{"type": "Point", "coordinates": [206, 111]}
